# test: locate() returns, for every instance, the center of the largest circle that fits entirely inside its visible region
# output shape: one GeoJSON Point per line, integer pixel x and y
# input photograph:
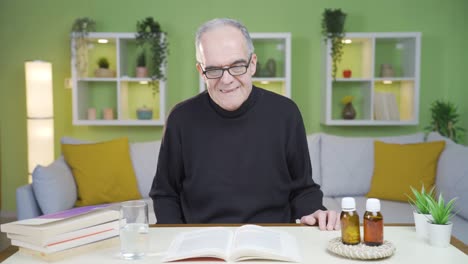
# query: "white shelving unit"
{"type": "Point", "coordinates": [389, 100]}
{"type": "Point", "coordinates": [273, 49]}
{"type": "Point", "coordinates": [124, 93]}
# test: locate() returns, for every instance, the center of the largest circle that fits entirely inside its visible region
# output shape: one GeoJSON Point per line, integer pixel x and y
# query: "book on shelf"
{"type": "Point", "coordinates": [92, 231]}
{"type": "Point", "coordinates": [67, 253]}
{"type": "Point", "coordinates": [47, 226]}
{"type": "Point", "coordinates": [246, 242]}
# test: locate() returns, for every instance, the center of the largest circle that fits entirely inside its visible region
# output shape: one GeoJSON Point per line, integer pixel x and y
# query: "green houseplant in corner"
{"type": "Point", "coordinates": [444, 119]}
{"type": "Point", "coordinates": [333, 21]}
{"type": "Point", "coordinates": [421, 206]}
{"type": "Point", "coordinates": [440, 227]}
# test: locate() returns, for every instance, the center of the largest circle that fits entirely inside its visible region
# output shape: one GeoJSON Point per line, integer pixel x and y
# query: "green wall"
{"type": "Point", "coordinates": [32, 29]}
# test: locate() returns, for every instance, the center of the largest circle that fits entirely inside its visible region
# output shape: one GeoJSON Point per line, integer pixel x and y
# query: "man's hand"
{"type": "Point", "coordinates": [327, 220]}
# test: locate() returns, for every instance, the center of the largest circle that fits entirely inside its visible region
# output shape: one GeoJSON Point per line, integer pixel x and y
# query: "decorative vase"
{"type": "Point", "coordinates": [386, 71]}
{"type": "Point", "coordinates": [144, 113]}
{"type": "Point", "coordinates": [439, 235]}
{"type": "Point", "coordinates": [108, 113]}
{"type": "Point", "coordinates": [421, 224]}
{"type": "Point", "coordinates": [347, 73]}
{"type": "Point", "coordinates": [349, 112]}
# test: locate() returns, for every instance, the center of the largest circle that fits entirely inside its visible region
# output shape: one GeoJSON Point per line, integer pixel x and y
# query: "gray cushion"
{"type": "Point", "coordinates": [54, 187]}
{"type": "Point", "coordinates": [313, 142]}
{"type": "Point", "coordinates": [347, 163]}
{"type": "Point", "coordinates": [452, 176]}
{"type": "Point", "coordinates": [144, 157]}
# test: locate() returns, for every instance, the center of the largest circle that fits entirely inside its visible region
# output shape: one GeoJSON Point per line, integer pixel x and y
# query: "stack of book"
{"type": "Point", "coordinates": [54, 235]}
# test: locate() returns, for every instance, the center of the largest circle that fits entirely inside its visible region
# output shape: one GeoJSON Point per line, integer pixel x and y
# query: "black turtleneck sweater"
{"type": "Point", "coordinates": [250, 165]}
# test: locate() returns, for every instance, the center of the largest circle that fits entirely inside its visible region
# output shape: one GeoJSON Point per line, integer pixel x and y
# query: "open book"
{"type": "Point", "coordinates": [243, 243]}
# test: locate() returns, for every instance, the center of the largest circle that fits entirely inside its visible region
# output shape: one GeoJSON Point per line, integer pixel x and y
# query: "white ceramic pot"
{"type": "Point", "coordinates": [421, 224]}
{"type": "Point", "coordinates": [439, 235]}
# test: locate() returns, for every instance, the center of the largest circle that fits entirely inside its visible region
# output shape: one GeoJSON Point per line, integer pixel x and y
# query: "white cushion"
{"type": "Point", "coordinates": [144, 157]}
{"type": "Point", "coordinates": [452, 176]}
{"type": "Point", "coordinates": [347, 163]}
{"type": "Point", "coordinates": [54, 187]}
{"type": "Point", "coordinates": [313, 142]}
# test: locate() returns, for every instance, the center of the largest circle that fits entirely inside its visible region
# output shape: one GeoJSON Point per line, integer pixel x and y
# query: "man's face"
{"type": "Point", "coordinates": [221, 48]}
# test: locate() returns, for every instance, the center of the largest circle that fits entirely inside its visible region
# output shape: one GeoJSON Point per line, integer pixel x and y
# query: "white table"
{"type": "Point", "coordinates": [312, 243]}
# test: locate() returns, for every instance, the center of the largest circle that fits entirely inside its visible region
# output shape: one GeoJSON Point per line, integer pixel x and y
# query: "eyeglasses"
{"type": "Point", "coordinates": [217, 73]}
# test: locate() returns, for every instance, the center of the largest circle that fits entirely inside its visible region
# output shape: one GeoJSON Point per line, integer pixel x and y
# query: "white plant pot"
{"type": "Point", "coordinates": [439, 235]}
{"type": "Point", "coordinates": [421, 224]}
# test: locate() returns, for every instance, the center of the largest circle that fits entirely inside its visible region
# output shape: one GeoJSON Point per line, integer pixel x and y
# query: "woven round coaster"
{"type": "Point", "coordinates": [361, 251]}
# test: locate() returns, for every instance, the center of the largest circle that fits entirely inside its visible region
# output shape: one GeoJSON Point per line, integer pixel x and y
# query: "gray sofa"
{"type": "Point", "coordinates": [343, 166]}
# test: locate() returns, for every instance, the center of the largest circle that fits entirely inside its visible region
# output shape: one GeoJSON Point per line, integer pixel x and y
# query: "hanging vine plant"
{"type": "Point", "coordinates": [80, 29]}
{"type": "Point", "coordinates": [149, 34]}
{"type": "Point", "coordinates": [333, 21]}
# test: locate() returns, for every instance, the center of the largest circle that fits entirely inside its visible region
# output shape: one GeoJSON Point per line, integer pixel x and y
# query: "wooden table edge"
{"type": "Point", "coordinates": [454, 241]}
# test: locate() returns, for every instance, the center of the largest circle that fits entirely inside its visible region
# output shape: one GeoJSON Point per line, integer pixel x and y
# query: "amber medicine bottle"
{"type": "Point", "coordinates": [373, 223]}
{"type": "Point", "coordinates": [350, 233]}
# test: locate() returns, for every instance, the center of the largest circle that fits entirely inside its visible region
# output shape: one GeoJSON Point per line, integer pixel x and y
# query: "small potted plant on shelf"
{"type": "Point", "coordinates": [421, 212]}
{"type": "Point", "coordinates": [103, 70]}
{"type": "Point", "coordinates": [80, 29]}
{"type": "Point", "coordinates": [333, 21]}
{"type": "Point", "coordinates": [440, 227]}
{"type": "Point", "coordinates": [141, 70]}
{"type": "Point", "coordinates": [444, 119]}
{"type": "Point", "coordinates": [149, 33]}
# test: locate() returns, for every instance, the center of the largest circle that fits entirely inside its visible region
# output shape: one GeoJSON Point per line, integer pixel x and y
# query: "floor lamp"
{"type": "Point", "coordinates": [40, 114]}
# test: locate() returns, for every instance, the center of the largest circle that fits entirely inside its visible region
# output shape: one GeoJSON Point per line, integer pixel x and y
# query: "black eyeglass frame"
{"type": "Point", "coordinates": [228, 69]}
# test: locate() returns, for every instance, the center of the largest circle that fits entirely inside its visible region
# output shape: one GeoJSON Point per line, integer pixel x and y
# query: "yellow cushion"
{"type": "Point", "coordinates": [399, 166]}
{"type": "Point", "coordinates": [103, 172]}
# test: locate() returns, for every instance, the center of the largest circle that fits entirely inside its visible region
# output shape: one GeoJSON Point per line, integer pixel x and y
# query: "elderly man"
{"type": "Point", "coordinates": [235, 153]}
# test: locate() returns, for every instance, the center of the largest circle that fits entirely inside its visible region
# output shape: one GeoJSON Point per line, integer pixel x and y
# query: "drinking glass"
{"type": "Point", "coordinates": [133, 229]}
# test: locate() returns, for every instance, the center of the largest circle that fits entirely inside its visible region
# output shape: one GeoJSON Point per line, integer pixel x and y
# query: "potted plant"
{"type": "Point", "coordinates": [141, 70]}
{"type": "Point", "coordinates": [444, 119]}
{"type": "Point", "coordinates": [421, 211]}
{"type": "Point", "coordinates": [80, 29]}
{"type": "Point", "coordinates": [440, 227]}
{"type": "Point", "coordinates": [333, 21]}
{"type": "Point", "coordinates": [103, 70]}
{"type": "Point", "coordinates": [149, 33]}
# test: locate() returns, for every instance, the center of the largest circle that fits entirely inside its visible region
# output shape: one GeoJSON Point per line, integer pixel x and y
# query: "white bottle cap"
{"type": "Point", "coordinates": [373, 205]}
{"type": "Point", "coordinates": [348, 204]}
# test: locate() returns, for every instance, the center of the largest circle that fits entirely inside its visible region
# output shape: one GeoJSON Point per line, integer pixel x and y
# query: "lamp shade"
{"type": "Point", "coordinates": [39, 89]}
{"type": "Point", "coordinates": [40, 143]}
{"type": "Point", "coordinates": [40, 114]}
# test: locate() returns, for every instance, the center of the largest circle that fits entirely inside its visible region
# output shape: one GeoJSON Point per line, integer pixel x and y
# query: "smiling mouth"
{"type": "Point", "coordinates": [225, 91]}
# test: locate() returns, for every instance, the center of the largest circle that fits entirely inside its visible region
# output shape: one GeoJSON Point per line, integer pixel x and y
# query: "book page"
{"type": "Point", "coordinates": [256, 242]}
{"type": "Point", "coordinates": [208, 242]}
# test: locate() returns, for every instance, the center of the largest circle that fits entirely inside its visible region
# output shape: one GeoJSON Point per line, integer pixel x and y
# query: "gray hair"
{"type": "Point", "coordinates": [218, 22]}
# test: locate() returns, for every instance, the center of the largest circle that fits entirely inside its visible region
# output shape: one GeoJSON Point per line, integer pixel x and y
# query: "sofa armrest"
{"type": "Point", "coordinates": [26, 203]}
